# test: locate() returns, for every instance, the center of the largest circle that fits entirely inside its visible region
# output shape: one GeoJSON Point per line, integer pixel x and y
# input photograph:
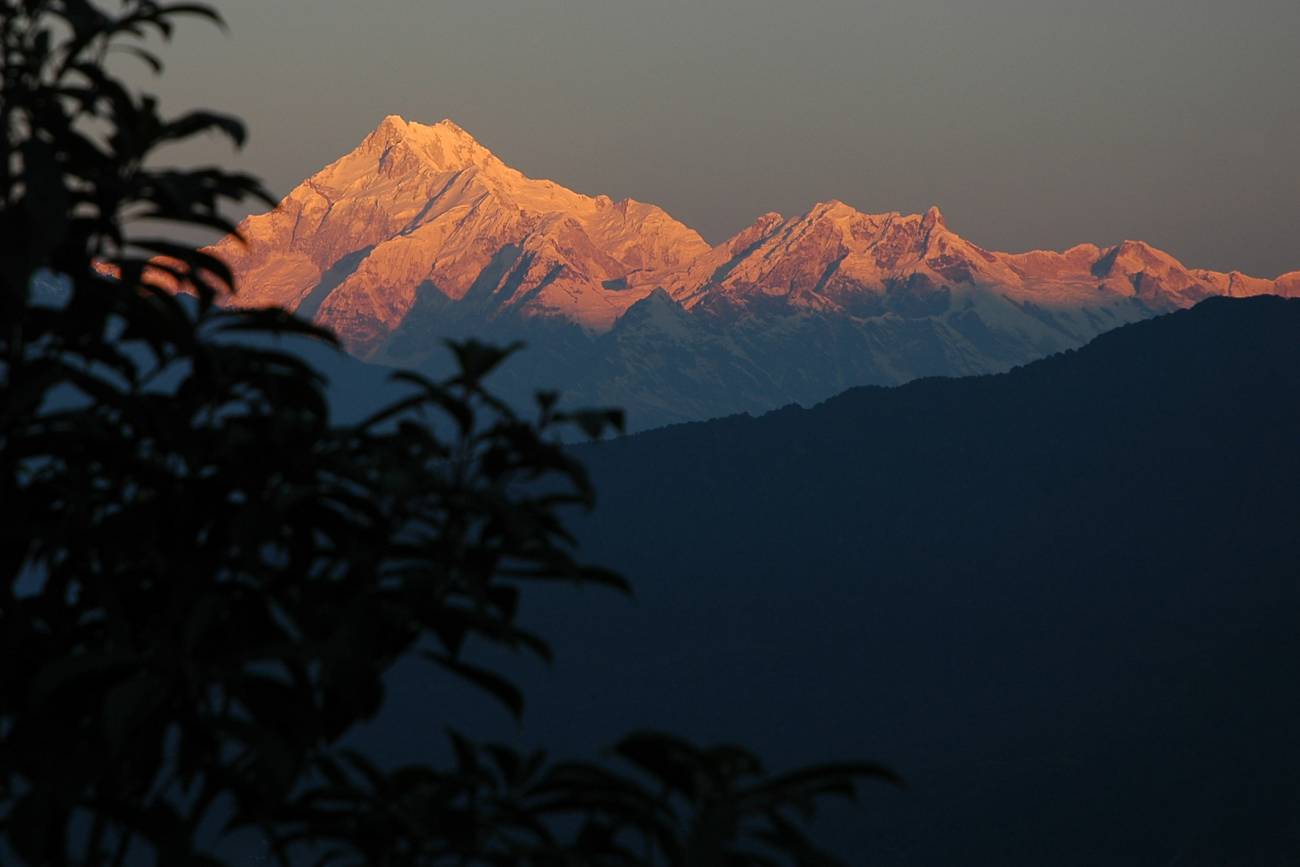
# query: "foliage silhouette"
{"type": "Point", "coordinates": [206, 577]}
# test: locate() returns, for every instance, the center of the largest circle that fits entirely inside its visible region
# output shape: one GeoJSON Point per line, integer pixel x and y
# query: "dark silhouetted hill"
{"type": "Point", "coordinates": [1063, 601]}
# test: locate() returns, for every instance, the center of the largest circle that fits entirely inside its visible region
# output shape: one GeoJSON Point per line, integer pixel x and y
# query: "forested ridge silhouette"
{"type": "Point", "coordinates": [1064, 598]}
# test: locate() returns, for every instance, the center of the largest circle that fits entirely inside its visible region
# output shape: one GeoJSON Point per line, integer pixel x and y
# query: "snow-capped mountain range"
{"type": "Point", "coordinates": [421, 232]}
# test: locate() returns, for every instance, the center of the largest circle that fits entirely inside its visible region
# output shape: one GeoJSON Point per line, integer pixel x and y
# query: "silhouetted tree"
{"type": "Point", "coordinates": [206, 576]}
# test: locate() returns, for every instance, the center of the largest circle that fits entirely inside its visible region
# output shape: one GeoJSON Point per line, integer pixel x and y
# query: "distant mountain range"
{"type": "Point", "coordinates": [422, 233]}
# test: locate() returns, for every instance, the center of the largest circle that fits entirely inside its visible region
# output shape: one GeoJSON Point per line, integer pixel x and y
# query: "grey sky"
{"type": "Point", "coordinates": [1032, 123]}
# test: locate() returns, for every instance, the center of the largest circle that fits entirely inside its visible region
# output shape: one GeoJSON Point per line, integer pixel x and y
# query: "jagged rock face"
{"type": "Point", "coordinates": [838, 260]}
{"type": "Point", "coordinates": [421, 232]}
{"type": "Point", "coordinates": [419, 209]}
{"type": "Point", "coordinates": [1287, 285]}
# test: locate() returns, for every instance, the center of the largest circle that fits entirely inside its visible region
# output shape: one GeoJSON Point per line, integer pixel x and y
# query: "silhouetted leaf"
{"type": "Point", "coordinates": [476, 360]}
{"type": "Point", "coordinates": [594, 422]}
{"type": "Point", "coordinates": [489, 681]}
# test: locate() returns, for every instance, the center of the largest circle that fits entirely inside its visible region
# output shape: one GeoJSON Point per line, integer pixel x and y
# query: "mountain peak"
{"type": "Point", "coordinates": [451, 125]}
{"type": "Point", "coordinates": [933, 219]}
{"type": "Point", "coordinates": [443, 145]}
{"type": "Point", "coordinates": [1139, 255]}
{"type": "Point", "coordinates": [396, 125]}
{"type": "Point", "coordinates": [832, 207]}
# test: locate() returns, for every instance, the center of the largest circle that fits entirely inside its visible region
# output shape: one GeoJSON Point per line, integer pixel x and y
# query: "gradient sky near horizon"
{"type": "Point", "coordinates": [1031, 123]}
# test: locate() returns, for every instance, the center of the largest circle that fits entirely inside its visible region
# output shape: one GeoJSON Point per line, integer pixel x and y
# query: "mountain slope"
{"type": "Point", "coordinates": [422, 233]}
{"type": "Point", "coordinates": [1062, 600]}
{"type": "Point", "coordinates": [426, 210]}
